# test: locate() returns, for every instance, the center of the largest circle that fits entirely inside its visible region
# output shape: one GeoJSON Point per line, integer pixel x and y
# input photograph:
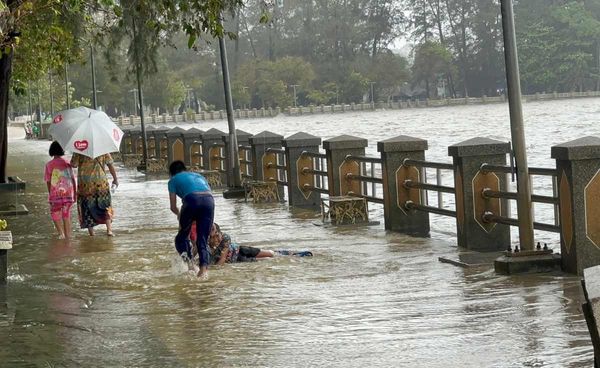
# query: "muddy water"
{"type": "Point", "coordinates": [367, 298]}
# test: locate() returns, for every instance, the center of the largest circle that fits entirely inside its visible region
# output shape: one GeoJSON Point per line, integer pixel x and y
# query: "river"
{"type": "Point", "coordinates": [367, 298]}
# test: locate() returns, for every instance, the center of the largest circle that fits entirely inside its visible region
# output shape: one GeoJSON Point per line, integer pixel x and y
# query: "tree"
{"type": "Point", "coordinates": [35, 36]}
{"type": "Point", "coordinates": [432, 61]}
{"type": "Point", "coordinates": [354, 87]}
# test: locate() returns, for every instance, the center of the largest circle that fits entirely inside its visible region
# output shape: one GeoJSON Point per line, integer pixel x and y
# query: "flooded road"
{"type": "Point", "coordinates": [367, 298]}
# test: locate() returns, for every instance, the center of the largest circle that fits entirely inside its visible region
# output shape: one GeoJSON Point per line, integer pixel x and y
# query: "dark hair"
{"type": "Point", "coordinates": [217, 226]}
{"type": "Point", "coordinates": [176, 167]}
{"type": "Point", "coordinates": [56, 149]}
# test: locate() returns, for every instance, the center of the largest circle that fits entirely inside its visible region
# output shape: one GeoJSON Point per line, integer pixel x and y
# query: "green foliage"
{"type": "Point", "coordinates": [354, 87]}
{"type": "Point", "coordinates": [271, 82]}
{"type": "Point", "coordinates": [432, 61]}
{"type": "Point", "coordinates": [559, 47]}
{"type": "Point", "coordinates": [329, 94]}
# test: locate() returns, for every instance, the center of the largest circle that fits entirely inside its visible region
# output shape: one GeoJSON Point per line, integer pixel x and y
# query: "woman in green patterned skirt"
{"type": "Point", "coordinates": [93, 191]}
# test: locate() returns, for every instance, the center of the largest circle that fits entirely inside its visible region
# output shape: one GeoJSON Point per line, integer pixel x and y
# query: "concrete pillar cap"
{"type": "Point", "coordinates": [265, 137]}
{"type": "Point", "coordinates": [345, 142]}
{"type": "Point", "coordinates": [177, 131]}
{"type": "Point", "coordinates": [213, 133]}
{"type": "Point", "coordinates": [301, 139]}
{"type": "Point", "coordinates": [479, 146]}
{"type": "Point", "coordinates": [402, 143]}
{"type": "Point", "coordinates": [579, 149]}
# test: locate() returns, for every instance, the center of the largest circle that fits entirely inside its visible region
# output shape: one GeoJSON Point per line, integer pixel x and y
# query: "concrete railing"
{"type": "Point", "coordinates": [396, 179]}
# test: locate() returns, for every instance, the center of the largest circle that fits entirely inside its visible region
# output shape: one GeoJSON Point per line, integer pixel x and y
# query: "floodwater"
{"type": "Point", "coordinates": [367, 298]}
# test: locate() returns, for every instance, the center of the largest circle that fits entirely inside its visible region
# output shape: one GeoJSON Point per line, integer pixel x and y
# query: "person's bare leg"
{"type": "Point", "coordinates": [91, 231]}
{"type": "Point", "coordinates": [58, 224]}
{"type": "Point", "coordinates": [67, 227]}
{"type": "Point", "coordinates": [265, 254]}
{"type": "Point", "coordinates": [109, 228]}
{"type": "Point", "coordinates": [203, 273]}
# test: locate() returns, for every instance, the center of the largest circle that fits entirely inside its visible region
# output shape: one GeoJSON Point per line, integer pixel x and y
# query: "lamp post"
{"type": "Point", "coordinates": [67, 98]}
{"type": "Point", "coordinates": [244, 89]}
{"type": "Point", "coordinates": [294, 87]}
{"type": "Point", "coordinates": [135, 106]}
{"type": "Point", "coordinates": [234, 157]}
{"type": "Point", "coordinates": [51, 94]}
{"type": "Point", "coordinates": [372, 96]}
{"type": "Point", "coordinates": [93, 64]}
{"type": "Point", "coordinates": [29, 95]}
{"type": "Point", "coordinates": [39, 102]}
{"type": "Point", "coordinates": [517, 130]}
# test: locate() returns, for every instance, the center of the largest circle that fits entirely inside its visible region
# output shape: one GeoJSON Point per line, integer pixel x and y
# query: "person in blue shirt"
{"type": "Point", "coordinates": [197, 206]}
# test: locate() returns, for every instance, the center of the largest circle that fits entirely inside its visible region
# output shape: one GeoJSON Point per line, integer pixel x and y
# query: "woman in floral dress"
{"type": "Point", "coordinates": [93, 191]}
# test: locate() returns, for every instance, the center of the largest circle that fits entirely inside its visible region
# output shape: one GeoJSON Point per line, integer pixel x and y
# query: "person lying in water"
{"type": "Point", "coordinates": [223, 250]}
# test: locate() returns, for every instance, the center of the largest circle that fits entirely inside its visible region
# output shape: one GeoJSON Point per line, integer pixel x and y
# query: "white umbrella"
{"type": "Point", "coordinates": [86, 131]}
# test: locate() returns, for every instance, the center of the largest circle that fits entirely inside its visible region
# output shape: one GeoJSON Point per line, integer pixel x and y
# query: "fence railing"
{"type": "Point", "coordinates": [313, 172]}
{"type": "Point", "coordinates": [246, 162]}
{"type": "Point", "coordinates": [276, 166]}
{"type": "Point", "coordinates": [535, 198]}
{"type": "Point", "coordinates": [361, 176]}
{"type": "Point", "coordinates": [411, 180]}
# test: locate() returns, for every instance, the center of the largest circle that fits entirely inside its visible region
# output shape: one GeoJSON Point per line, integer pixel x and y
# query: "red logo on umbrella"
{"type": "Point", "coordinates": [116, 134]}
{"type": "Point", "coordinates": [57, 119]}
{"type": "Point", "coordinates": [81, 145]}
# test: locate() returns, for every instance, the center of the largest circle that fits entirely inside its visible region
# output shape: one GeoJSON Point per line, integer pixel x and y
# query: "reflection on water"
{"type": "Point", "coordinates": [367, 298]}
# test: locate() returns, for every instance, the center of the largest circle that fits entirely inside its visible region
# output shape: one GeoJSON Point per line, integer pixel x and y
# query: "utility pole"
{"type": "Point", "coordinates": [517, 129]}
{"type": "Point", "coordinates": [372, 96]}
{"type": "Point", "coordinates": [135, 106]}
{"type": "Point", "coordinates": [29, 95]}
{"type": "Point", "coordinates": [51, 94]}
{"type": "Point", "coordinates": [234, 157]}
{"type": "Point", "coordinates": [94, 95]}
{"type": "Point", "coordinates": [138, 74]}
{"type": "Point", "coordinates": [294, 87]}
{"type": "Point", "coordinates": [67, 86]}
{"type": "Point", "coordinates": [244, 89]}
{"type": "Point", "coordinates": [39, 102]}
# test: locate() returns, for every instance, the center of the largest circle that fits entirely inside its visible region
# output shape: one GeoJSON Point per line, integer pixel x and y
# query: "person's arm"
{"type": "Point", "coordinates": [173, 201]}
{"type": "Point", "coordinates": [74, 182]}
{"type": "Point", "coordinates": [224, 254]}
{"type": "Point", "coordinates": [111, 169]}
{"type": "Point", "coordinates": [75, 160]}
{"type": "Point", "coordinates": [47, 176]}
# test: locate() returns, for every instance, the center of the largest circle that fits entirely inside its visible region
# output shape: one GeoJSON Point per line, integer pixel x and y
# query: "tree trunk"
{"type": "Point", "coordinates": [5, 73]}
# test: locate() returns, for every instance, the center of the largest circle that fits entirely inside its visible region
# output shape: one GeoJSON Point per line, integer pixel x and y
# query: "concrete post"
{"type": "Point", "coordinates": [189, 137]}
{"type": "Point", "coordinates": [468, 156]}
{"type": "Point", "coordinates": [243, 139]}
{"type": "Point", "coordinates": [136, 136]}
{"type": "Point", "coordinates": [294, 146]}
{"type": "Point", "coordinates": [151, 140]}
{"type": "Point", "coordinates": [159, 134]}
{"type": "Point", "coordinates": [578, 167]}
{"type": "Point", "coordinates": [260, 142]}
{"type": "Point", "coordinates": [3, 266]}
{"type": "Point", "coordinates": [175, 145]}
{"type": "Point", "coordinates": [125, 141]}
{"type": "Point", "coordinates": [5, 246]}
{"type": "Point", "coordinates": [212, 139]}
{"type": "Point", "coordinates": [337, 149]}
{"type": "Point", "coordinates": [393, 152]}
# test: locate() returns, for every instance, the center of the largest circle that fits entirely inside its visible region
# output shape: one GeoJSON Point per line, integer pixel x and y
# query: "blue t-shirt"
{"type": "Point", "coordinates": [187, 182]}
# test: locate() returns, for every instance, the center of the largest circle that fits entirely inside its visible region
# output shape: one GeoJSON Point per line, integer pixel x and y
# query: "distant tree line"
{"type": "Point", "coordinates": [324, 52]}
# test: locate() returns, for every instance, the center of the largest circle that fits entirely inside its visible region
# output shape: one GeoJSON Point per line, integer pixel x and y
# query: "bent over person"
{"type": "Point", "coordinates": [197, 205]}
